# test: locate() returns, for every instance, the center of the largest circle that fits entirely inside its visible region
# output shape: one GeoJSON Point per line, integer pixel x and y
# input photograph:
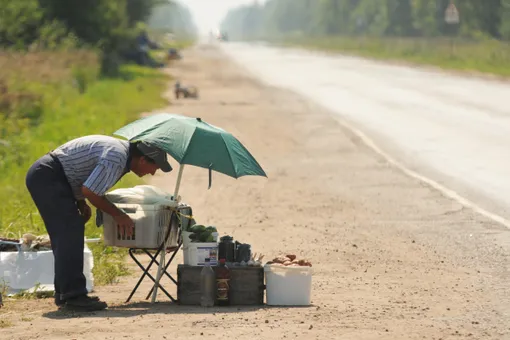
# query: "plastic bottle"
{"type": "Point", "coordinates": [207, 285]}
{"type": "Point", "coordinates": [222, 284]}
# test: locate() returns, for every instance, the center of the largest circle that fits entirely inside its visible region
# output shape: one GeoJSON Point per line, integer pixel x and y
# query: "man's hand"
{"type": "Point", "coordinates": [85, 210]}
{"type": "Point", "coordinates": [125, 224]}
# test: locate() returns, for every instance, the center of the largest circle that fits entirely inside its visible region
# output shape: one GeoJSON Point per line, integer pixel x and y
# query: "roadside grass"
{"type": "Point", "coordinates": [48, 98]}
{"type": "Point", "coordinates": [479, 56]}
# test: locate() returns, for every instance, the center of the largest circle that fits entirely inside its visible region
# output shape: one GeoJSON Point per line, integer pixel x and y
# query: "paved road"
{"type": "Point", "coordinates": [453, 129]}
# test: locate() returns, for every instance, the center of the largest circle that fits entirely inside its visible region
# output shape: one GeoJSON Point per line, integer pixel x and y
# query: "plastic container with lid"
{"type": "Point", "coordinates": [288, 285]}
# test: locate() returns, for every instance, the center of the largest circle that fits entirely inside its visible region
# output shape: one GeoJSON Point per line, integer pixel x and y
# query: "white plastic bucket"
{"type": "Point", "coordinates": [288, 286]}
{"type": "Point", "coordinates": [185, 238]}
{"type": "Point", "coordinates": [196, 253]}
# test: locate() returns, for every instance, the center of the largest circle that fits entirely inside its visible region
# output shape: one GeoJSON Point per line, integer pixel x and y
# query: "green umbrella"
{"type": "Point", "coordinates": [192, 141]}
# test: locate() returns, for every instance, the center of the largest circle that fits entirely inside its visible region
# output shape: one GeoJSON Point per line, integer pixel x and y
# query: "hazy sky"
{"type": "Point", "coordinates": [209, 13]}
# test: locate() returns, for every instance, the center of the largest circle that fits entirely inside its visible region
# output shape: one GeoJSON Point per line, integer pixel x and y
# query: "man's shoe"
{"type": "Point", "coordinates": [84, 304]}
{"type": "Point", "coordinates": [61, 302]}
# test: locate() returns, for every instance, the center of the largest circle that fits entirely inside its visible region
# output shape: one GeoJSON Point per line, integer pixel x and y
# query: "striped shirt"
{"type": "Point", "coordinates": [96, 162]}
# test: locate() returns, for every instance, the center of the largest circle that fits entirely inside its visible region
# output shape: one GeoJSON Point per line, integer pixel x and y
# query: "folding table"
{"type": "Point", "coordinates": [179, 220]}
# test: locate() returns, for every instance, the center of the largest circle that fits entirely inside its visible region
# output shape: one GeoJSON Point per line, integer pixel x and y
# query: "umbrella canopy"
{"type": "Point", "coordinates": [192, 141]}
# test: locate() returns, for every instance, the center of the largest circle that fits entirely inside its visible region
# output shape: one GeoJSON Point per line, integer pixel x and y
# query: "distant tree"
{"type": "Point", "coordinates": [488, 18]}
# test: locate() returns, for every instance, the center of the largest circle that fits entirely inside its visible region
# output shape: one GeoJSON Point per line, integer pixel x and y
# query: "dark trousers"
{"type": "Point", "coordinates": [55, 201]}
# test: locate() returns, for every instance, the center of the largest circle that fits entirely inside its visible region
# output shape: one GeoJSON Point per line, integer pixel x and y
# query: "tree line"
{"type": "Point", "coordinates": [391, 18]}
{"type": "Point", "coordinates": [172, 17]}
{"type": "Point", "coordinates": [106, 24]}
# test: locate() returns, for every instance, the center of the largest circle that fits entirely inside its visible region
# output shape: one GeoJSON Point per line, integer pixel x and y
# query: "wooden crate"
{"type": "Point", "coordinates": [246, 285]}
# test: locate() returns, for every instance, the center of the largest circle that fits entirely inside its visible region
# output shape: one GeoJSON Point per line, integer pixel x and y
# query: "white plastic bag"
{"type": "Point", "coordinates": [141, 194]}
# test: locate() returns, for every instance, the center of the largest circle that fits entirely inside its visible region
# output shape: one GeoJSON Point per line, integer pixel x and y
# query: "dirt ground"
{"type": "Point", "coordinates": [393, 258]}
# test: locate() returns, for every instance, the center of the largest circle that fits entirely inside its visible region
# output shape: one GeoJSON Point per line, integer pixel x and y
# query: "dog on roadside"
{"type": "Point", "coordinates": [185, 92]}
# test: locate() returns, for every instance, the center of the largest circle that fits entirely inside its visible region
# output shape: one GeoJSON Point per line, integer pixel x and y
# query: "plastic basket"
{"type": "Point", "coordinates": [151, 223]}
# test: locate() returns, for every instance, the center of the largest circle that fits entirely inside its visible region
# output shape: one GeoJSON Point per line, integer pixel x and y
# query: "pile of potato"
{"type": "Point", "coordinates": [289, 260]}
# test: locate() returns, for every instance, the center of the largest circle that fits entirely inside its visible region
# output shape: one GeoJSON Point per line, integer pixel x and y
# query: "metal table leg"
{"type": "Point", "coordinates": [155, 261]}
{"type": "Point", "coordinates": [165, 271]}
{"type": "Point", "coordinates": [146, 273]}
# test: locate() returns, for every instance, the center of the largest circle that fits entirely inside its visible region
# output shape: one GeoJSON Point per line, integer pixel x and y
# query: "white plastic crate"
{"type": "Point", "coordinates": [151, 222]}
{"type": "Point", "coordinates": [288, 286]}
{"type": "Point", "coordinates": [27, 270]}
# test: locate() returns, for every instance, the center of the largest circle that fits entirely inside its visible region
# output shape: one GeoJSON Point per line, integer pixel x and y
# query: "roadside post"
{"type": "Point", "coordinates": [452, 18]}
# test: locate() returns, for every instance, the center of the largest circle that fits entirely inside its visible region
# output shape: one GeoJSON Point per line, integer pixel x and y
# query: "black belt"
{"type": "Point", "coordinates": [55, 158]}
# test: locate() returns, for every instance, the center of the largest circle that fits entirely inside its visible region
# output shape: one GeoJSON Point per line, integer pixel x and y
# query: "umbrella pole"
{"type": "Point", "coordinates": [159, 274]}
{"type": "Point", "coordinates": [162, 257]}
{"type": "Point", "coordinates": [178, 183]}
